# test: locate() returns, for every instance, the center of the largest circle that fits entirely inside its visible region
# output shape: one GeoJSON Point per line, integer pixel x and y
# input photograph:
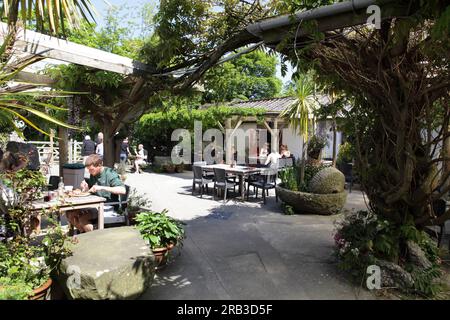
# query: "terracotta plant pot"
{"type": "Point", "coordinates": [42, 293]}
{"type": "Point", "coordinates": [160, 257]}
{"type": "Point", "coordinates": [169, 168]}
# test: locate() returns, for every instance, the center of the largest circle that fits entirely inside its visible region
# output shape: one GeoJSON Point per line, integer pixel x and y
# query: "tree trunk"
{"type": "Point", "coordinates": [63, 150]}
{"type": "Point", "coordinates": [109, 148]}
{"type": "Point", "coordinates": [303, 163]}
{"type": "Point", "coordinates": [334, 142]}
{"type": "Point", "coordinates": [445, 179]}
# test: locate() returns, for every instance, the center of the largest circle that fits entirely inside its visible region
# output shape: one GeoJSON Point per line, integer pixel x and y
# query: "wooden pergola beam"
{"type": "Point", "coordinates": [34, 78]}
{"type": "Point", "coordinates": [35, 43]}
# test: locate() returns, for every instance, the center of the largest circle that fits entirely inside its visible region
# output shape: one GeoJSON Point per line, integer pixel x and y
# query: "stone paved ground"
{"type": "Point", "coordinates": [245, 250]}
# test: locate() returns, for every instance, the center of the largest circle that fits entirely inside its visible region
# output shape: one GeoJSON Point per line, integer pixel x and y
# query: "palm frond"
{"type": "Point", "coordinates": [15, 102]}
{"type": "Point", "coordinates": [298, 114]}
{"type": "Point", "coordinates": [55, 12]}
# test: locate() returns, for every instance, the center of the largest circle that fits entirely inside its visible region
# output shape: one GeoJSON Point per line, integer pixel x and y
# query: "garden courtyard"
{"type": "Point", "coordinates": [337, 112]}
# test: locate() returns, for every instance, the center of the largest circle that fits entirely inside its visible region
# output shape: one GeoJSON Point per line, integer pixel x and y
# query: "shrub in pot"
{"type": "Point", "coordinates": [179, 168]}
{"type": "Point", "coordinates": [26, 261]}
{"type": "Point", "coordinates": [321, 193]}
{"type": "Point", "coordinates": [315, 146]}
{"type": "Point", "coordinates": [161, 231]}
{"type": "Point", "coordinates": [169, 168]}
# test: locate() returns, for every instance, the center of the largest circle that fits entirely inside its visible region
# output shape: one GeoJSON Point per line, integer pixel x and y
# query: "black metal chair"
{"type": "Point", "coordinates": [347, 170]}
{"type": "Point", "coordinates": [53, 183]}
{"type": "Point", "coordinates": [200, 179]}
{"type": "Point", "coordinates": [222, 182]}
{"type": "Point", "coordinates": [289, 162]}
{"type": "Point", "coordinates": [281, 163]}
{"type": "Point", "coordinates": [267, 181]}
{"type": "Point", "coordinates": [116, 212]}
{"type": "Point", "coordinates": [206, 175]}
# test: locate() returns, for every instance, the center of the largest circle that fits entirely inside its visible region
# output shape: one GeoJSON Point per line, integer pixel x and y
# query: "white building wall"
{"type": "Point", "coordinates": [293, 142]}
{"type": "Point", "coordinates": [325, 128]}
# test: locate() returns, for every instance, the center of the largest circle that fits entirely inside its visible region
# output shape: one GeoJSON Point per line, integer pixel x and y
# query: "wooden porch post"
{"type": "Point", "coordinates": [228, 155]}
{"type": "Point", "coordinates": [63, 154]}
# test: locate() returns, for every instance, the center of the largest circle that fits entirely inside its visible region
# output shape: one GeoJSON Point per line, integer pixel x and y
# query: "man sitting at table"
{"type": "Point", "coordinates": [103, 182]}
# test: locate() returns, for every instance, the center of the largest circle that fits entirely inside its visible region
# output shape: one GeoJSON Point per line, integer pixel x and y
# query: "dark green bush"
{"type": "Point", "coordinates": [363, 238]}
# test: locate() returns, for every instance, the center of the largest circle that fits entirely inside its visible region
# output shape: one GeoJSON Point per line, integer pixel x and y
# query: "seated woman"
{"type": "Point", "coordinates": [141, 158]}
{"type": "Point", "coordinates": [285, 153]}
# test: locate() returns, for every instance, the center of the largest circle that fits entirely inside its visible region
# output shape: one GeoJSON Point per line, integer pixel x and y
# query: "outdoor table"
{"type": "Point", "coordinates": [73, 203]}
{"type": "Point", "coordinates": [240, 171]}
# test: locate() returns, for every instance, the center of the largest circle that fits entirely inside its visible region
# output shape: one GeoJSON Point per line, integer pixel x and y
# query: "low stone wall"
{"type": "Point", "coordinates": [162, 160]}
{"type": "Point", "coordinates": [303, 202]}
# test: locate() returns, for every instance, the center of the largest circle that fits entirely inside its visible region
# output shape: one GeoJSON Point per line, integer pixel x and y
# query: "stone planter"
{"type": "Point", "coordinates": [113, 263]}
{"type": "Point", "coordinates": [313, 203]}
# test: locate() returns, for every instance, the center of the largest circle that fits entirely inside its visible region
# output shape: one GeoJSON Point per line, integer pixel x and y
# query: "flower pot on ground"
{"type": "Point", "coordinates": [169, 168]}
{"type": "Point", "coordinates": [26, 260]}
{"type": "Point", "coordinates": [162, 232]}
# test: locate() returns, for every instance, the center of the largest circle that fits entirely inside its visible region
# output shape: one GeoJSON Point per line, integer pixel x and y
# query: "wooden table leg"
{"type": "Point", "coordinates": [101, 218]}
{"type": "Point", "coordinates": [241, 187]}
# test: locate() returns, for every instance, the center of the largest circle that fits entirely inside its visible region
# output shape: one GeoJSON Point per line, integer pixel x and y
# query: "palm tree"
{"type": "Point", "coordinates": [299, 113]}
{"type": "Point", "coordinates": [16, 99]}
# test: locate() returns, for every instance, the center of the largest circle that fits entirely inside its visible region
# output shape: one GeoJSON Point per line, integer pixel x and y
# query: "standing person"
{"type": "Point", "coordinates": [141, 158]}
{"type": "Point", "coordinates": [99, 149]}
{"type": "Point", "coordinates": [88, 148]}
{"type": "Point", "coordinates": [124, 150]}
{"type": "Point", "coordinates": [104, 182]}
{"type": "Point", "coordinates": [99, 138]}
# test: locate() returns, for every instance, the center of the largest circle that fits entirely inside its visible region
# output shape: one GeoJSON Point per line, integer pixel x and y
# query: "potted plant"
{"type": "Point", "coordinates": [322, 191]}
{"type": "Point", "coordinates": [27, 261]}
{"type": "Point", "coordinates": [315, 146]}
{"type": "Point", "coordinates": [169, 167]}
{"type": "Point", "coordinates": [26, 266]}
{"type": "Point", "coordinates": [179, 168]}
{"type": "Point", "coordinates": [162, 233]}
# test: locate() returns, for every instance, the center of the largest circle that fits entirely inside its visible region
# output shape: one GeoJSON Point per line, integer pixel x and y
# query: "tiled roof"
{"type": "Point", "coordinates": [272, 105]}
